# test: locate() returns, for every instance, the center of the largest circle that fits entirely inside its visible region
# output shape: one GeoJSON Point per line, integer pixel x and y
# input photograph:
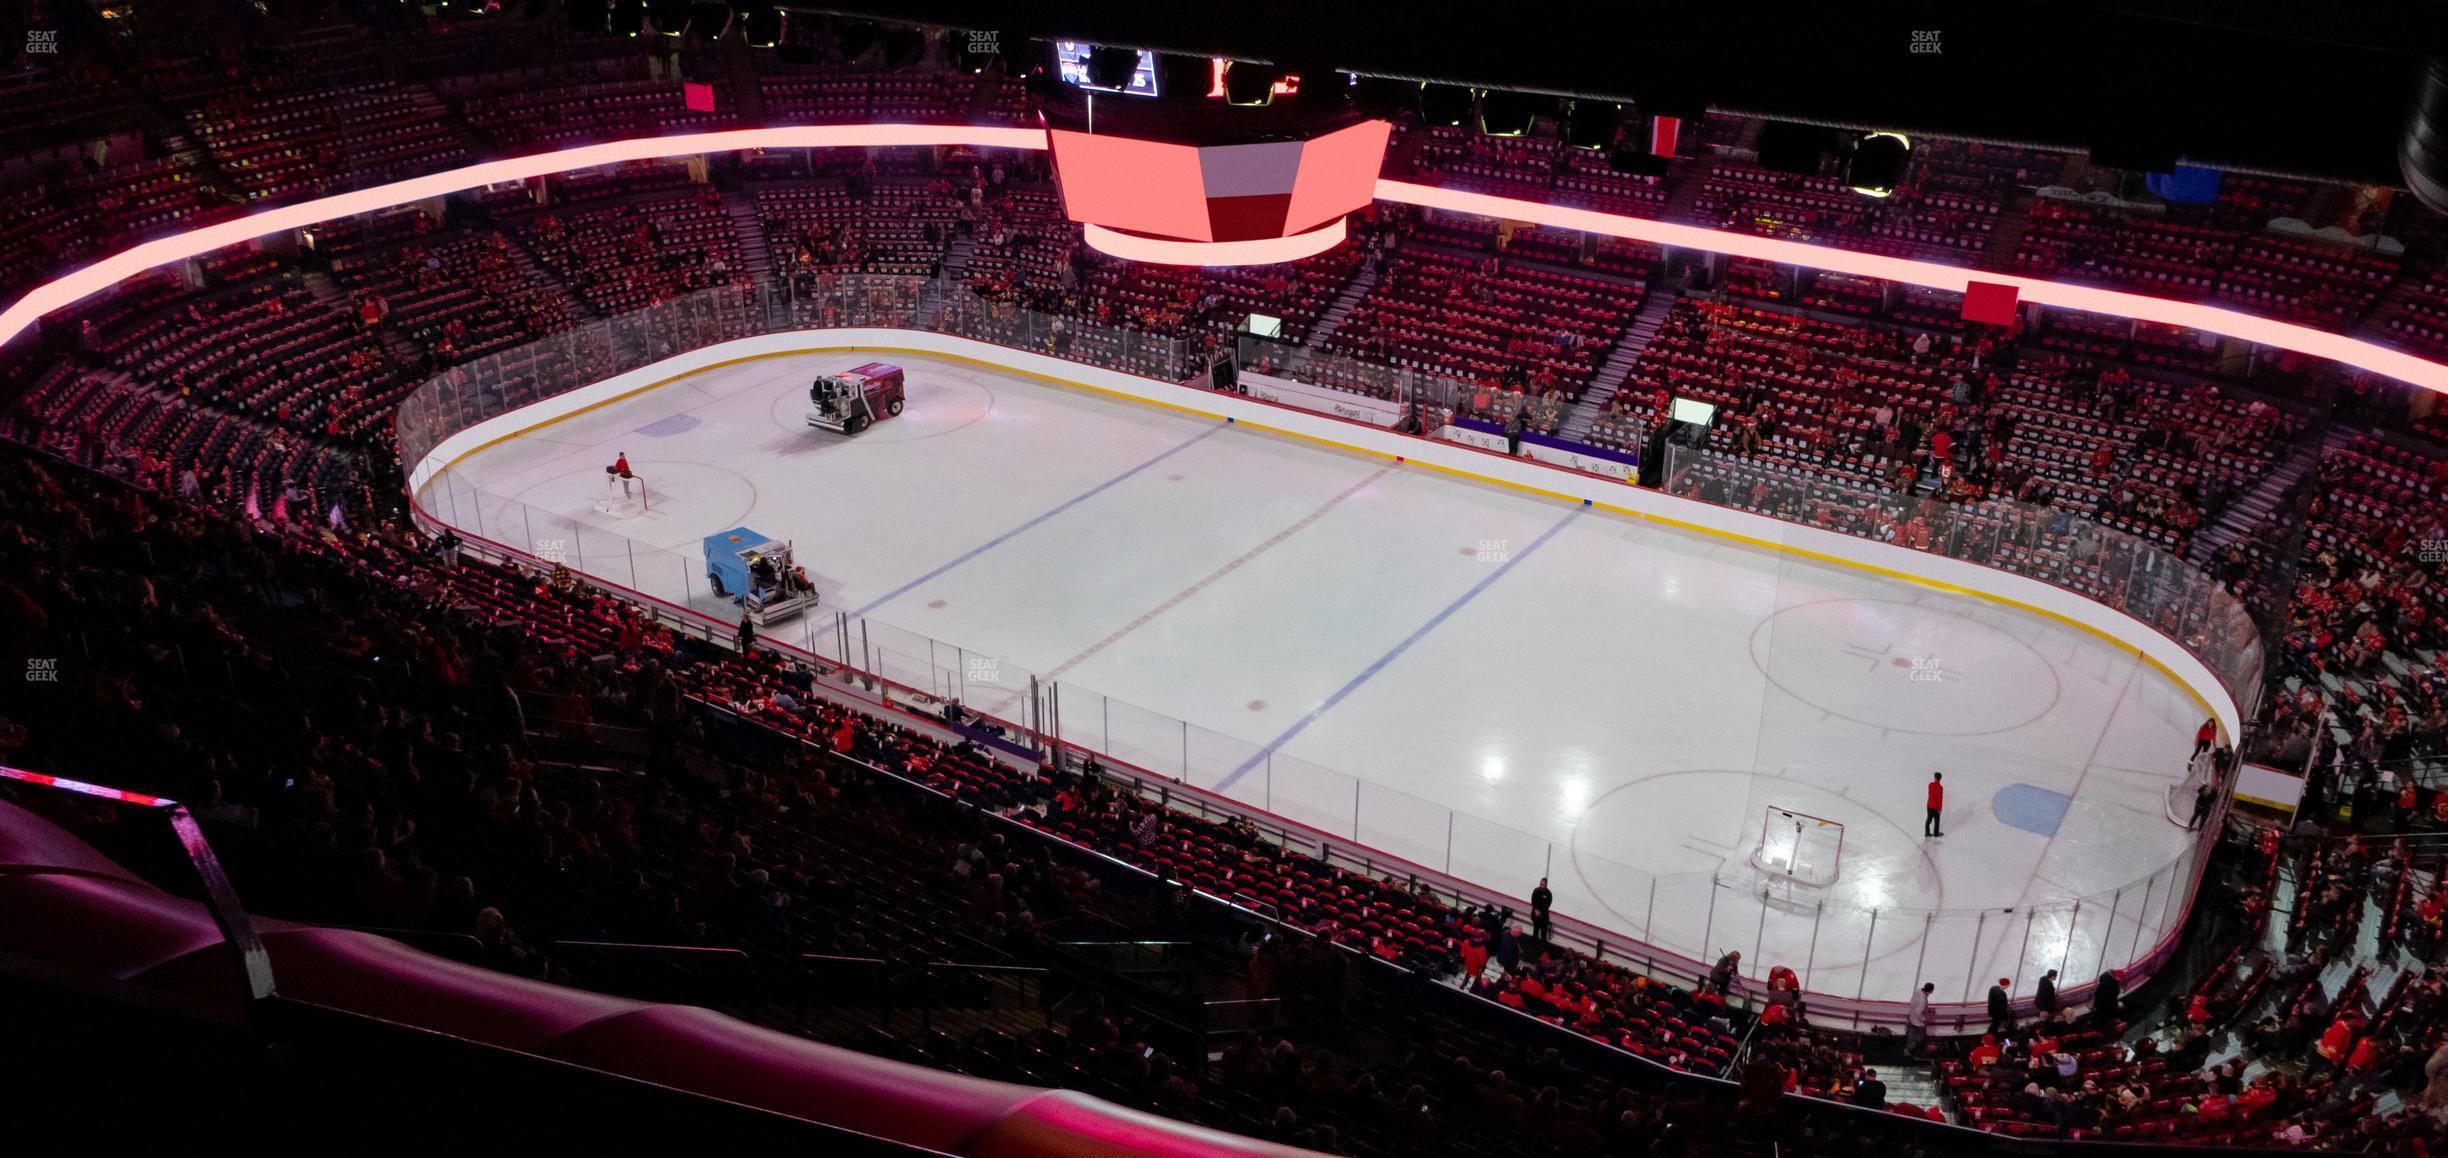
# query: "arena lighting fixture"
{"type": "Point", "coordinates": [903, 46]}
{"type": "Point", "coordinates": [858, 38]}
{"type": "Point", "coordinates": [1590, 124]}
{"type": "Point", "coordinates": [1786, 147]}
{"type": "Point", "coordinates": [628, 17]}
{"type": "Point", "coordinates": [1250, 85]}
{"type": "Point", "coordinates": [762, 26]}
{"type": "Point", "coordinates": [1875, 165]}
{"type": "Point", "coordinates": [1510, 114]}
{"type": "Point", "coordinates": [670, 17]}
{"type": "Point", "coordinates": [60, 292]}
{"type": "Point", "coordinates": [2422, 148]}
{"type": "Point", "coordinates": [1444, 105]}
{"type": "Point", "coordinates": [712, 19]}
{"type": "Point", "coordinates": [1166, 251]}
{"type": "Point", "coordinates": [1286, 83]}
{"type": "Point", "coordinates": [1112, 68]}
{"type": "Point", "coordinates": [1041, 82]}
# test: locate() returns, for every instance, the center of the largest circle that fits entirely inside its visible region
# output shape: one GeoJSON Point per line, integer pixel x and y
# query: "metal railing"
{"type": "Point", "coordinates": [1857, 960]}
{"type": "Point", "coordinates": [220, 898]}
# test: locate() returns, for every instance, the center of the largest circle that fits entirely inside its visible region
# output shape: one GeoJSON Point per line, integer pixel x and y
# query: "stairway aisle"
{"type": "Point", "coordinates": [1691, 178]}
{"type": "Point", "coordinates": [1332, 319]}
{"type": "Point", "coordinates": [1915, 1085]}
{"type": "Point", "coordinates": [756, 253]}
{"type": "Point", "coordinates": [533, 270]}
{"type": "Point", "coordinates": [320, 284]}
{"type": "Point", "coordinates": [957, 252]}
{"type": "Point", "coordinates": [1617, 366]}
{"type": "Point", "coordinates": [2006, 233]}
{"type": "Point", "coordinates": [2253, 510]}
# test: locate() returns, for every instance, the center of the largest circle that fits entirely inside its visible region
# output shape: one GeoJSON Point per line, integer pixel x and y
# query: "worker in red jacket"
{"type": "Point", "coordinates": [1937, 802]}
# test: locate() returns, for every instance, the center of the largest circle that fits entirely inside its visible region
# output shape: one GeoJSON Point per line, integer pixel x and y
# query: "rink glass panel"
{"type": "Point", "coordinates": [1841, 937]}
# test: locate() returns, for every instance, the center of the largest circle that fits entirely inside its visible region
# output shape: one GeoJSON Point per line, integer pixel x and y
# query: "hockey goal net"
{"type": "Point", "coordinates": [624, 495]}
{"type": "Point", "coordinates": [2184, 795]}
{"type": "Point", "coordinates": [1799, 847]}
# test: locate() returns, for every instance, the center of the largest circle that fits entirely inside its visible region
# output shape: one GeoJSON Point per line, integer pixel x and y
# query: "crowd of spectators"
{"type": "Point", "coordinates": [364, 721]}
{"type": "Point", "coordinates": [352, 712]}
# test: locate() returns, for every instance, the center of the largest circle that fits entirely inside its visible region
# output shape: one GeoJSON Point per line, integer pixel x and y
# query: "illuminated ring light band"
{"type": "Point", "coordinates": [161, 251]}
{"type": "Point", "coordinates": [1166, 251]}
{"type": "Point", "coordinates": [2119, 303]}
{"type": "Point", "coordinates": [69, 288]}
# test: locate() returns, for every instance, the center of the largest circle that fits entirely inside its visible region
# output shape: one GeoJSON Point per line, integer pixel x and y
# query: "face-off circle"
{"type": "Point", "coordinates": [1904, 667]}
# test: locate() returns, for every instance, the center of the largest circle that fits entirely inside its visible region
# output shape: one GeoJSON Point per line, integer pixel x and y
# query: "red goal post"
{"type": "Point", "coordinates": [631, 485]}
{"type": "Point", "coordinates": [1799, 847]}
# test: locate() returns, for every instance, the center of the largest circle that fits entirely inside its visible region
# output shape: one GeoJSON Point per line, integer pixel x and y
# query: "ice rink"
{"type": "Point", "coordinates": [1479, 679]}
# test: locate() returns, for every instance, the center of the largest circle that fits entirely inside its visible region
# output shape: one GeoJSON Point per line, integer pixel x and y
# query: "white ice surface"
{"type": "Point", "coordinates": [1526, 687]}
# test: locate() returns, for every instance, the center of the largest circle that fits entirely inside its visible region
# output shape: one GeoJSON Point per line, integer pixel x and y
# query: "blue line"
{"type": "Point", "coordinates": [1370, 672]}
{"type": "Point", "coordinates": [1006, 536]}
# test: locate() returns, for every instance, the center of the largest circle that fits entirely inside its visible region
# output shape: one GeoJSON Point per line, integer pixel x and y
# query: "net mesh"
{"type": "Point", "coordinates": [1799, 847]}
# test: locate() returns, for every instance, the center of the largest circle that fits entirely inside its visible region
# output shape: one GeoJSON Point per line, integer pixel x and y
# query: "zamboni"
{"type": "Point", "coordinates": [857, 399]}
{"type": "Point", "coordinates": [757, 573]}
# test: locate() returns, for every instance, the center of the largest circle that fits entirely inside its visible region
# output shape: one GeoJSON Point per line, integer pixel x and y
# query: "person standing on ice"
{"type": "Point", "coordinates": [620, 464]}
{"type": "Point", "coordinates": [1937, 804]}
{"type": "Point", "coordinates": [1542, 910]}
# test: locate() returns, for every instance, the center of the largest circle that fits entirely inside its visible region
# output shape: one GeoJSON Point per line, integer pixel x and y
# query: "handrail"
{"type": "Point", "coordinates": [220, 896]}
{"type": "Point", "coordinates": [968, 967]}
{"type": "Point", "coordinates": [1742, 1049]}
{"type": "Point", "coordinates": [639, 947]}
{"type": "Point", "coordinates": [461, 942]}
{"type": "Point", "coordinates": [727, 316]}
{"type": "Point", "coordinates": [1531, 1023]}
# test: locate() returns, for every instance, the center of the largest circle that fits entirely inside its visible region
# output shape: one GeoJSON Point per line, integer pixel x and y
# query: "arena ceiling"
{"type": "Point", "coordinates": [2312, 88]}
